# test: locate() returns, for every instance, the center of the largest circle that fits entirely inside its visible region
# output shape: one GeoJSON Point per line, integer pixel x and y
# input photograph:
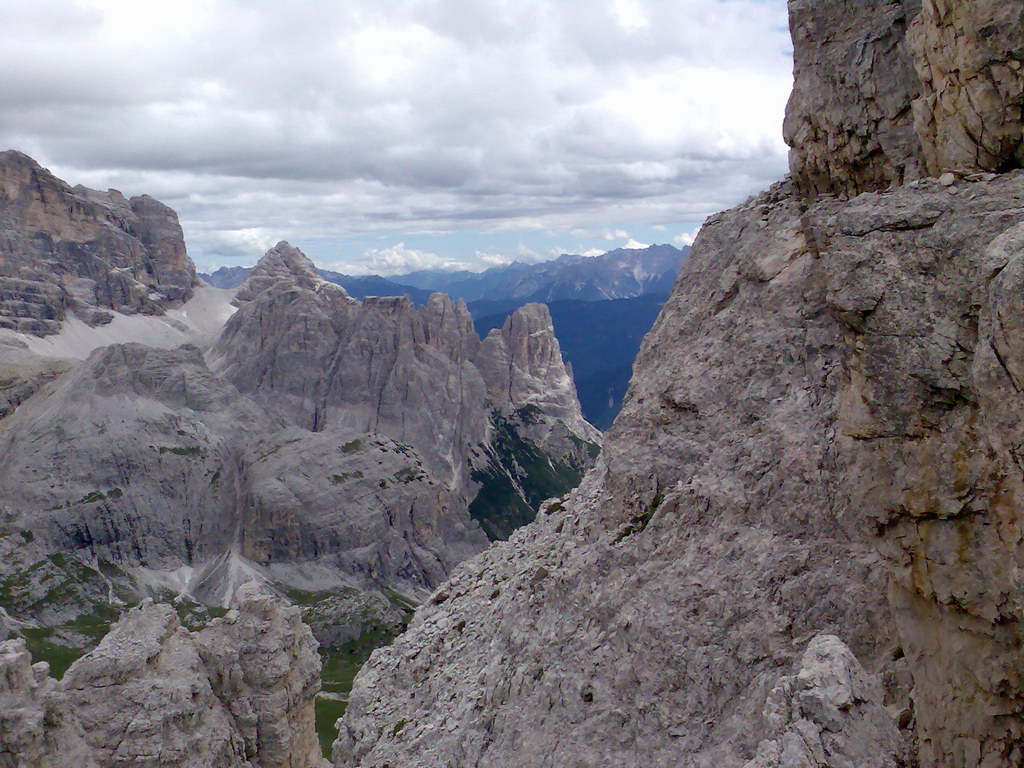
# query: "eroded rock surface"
{"type": "Point", "coordinates": [969, 58]}
{"type": "Point", "coordinates": [146, 459]}
{"type": "Point", "coordinates": [849, 120]}
{"type": "Point", "coordinates": [502, 413]}
{"type": "Point", "coordinates": [829, 713]}
{"type": "Point", "coordinates": [889, 90]}
{"type": "Point", "coordinates": [75, 249]}
{"type": "Point", "coordinates": [38, 727]}
{"type": "Point", "coordinates": [239, 694]}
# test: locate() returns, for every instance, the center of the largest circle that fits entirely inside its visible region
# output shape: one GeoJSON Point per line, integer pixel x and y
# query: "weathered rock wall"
{"type": "Point", "coordinates": [849, 121]}
{"type": "Point", "coordinates": [969, 58]}
{"type": "Point", "coordinates": [888, 90]}
{"type": "Point", "coordinates": [75, 249]}
{"type": "Point", "coordinates": [822, 435]}
{"type": "Point", "coordinates": [419, 375]}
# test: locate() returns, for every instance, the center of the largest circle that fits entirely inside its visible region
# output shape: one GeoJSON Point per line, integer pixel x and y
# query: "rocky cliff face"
{"type": "Point", "coordinates": [240, 693]}
{"type": "Point", "coordinates": [420, 375]}
{"type": "Point", "coordinates": [91, 253]}
{"type": "Point", "coordinates": [144, 458]}
{"type": "Point", "coordinates": [820, 437]}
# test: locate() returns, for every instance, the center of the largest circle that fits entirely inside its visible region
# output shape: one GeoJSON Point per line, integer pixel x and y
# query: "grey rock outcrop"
{"type": "Point", "coordinates": [263, 665]}
{"type": "Point", "coordinates": [710, 544]}
{"type": "Point", "coordinates": [419, 375]}
{"type": "Point", "coordinates": [38, 727]}
{"type": "Point", "coordinates": [887, 91]}
{"type": "Point", "coordinates": [144, 698]}
{"type": "Point", "coordinates": [74, 249]}
{"type": "Point", "coordinates": [239, 694]}
{"type": "Point", "coordinates": [969, 59]}
{"type": "Point", "coordinates": [170, 466]}
{"type": "Point", "coordinates": [829, 713]}
{"type": "Point", "coordinates": [287, 264]}
{"type": "Point", "coordinates": [849, 120]}
{"type": "Point", "coordinates": [522, 365]}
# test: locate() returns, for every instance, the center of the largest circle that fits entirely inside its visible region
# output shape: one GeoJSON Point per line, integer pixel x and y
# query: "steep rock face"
{"type": "Point", "coordinates": [888, 90]}
{"type": "Point", "coordinates": [710, 545]}
{"type": "Point", "coordinates": [822, 436]}
{"type": "Point", "coordinates": [969, 59]}
{"type": "Point", "coordinates": [169, 465]}
{"type": "Point", "coordinates": [64, 248]}
{"type": "Point", "coordinates": [419, 375]}
{"type": "Point", "coordinates": [927, 284]}
{"type": "Point", "coordinates": [522, 364]}
{"type": "Point", "coordinates": [850, 129]}
{"type": "Point", "coordinates": [38, 727]}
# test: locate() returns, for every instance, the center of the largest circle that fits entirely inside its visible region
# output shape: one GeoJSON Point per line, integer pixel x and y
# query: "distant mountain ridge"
{"type": "Point", "coordinates": [601, 307]}
{"type": "Point", "coordinates": [358, 287]}
{"type": "Point", "coordinates": [619, 274]}
{"type": "Point", "coordinates": [623, 273]}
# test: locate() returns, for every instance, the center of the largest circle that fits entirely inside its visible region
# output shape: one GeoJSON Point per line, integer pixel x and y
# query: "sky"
{"type": "Point", "coordinates": [384, 136]}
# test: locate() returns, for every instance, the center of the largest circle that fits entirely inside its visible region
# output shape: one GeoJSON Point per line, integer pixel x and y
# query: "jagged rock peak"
{"type": "Point", "coordinates": [75, 249]}
{"type": "Point", "coordinates": [38, 728]}
{"type": "Point", "coordinates": [889, 90]}
{"type": "Point", "coordinates": [287, 266]}
{"type": "Point", "coordinates": [522, 365]}
{"type": "Point", "coordinates": [239, 693]}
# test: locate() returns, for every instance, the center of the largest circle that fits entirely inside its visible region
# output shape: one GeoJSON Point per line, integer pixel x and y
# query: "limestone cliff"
{"type": "Point", "coordinates": [498, 418]}
{"type": "Point", "coordinates": [91, 253]}
{"type": "Point", "coordinates": [144, 458]}
{"type": "Point", "coordinates": [821, 437]}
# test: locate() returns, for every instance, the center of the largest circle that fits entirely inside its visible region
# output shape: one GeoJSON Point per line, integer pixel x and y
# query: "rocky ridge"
{"type": "Point", "coordinates": [93, 254]}
{"type": "Point", "coordinates": [239, 693]}
{"type": "Point", "coordinates": [820, 438]}
{"type": "Point", "coordinates": [419, 375]}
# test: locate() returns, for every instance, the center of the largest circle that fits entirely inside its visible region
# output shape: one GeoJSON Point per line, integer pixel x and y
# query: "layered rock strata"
{"type": "Point", "coordinates": [91, 253]}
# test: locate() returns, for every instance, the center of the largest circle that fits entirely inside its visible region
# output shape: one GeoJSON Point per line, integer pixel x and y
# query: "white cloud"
{"type": "Point", "coordinates": [397, 259]}
{"type": "Point", "coordinates": [603, 233]}
{"type": "Point", "coordinates": [320, 119]}
{"type": "Point", "coordinates": [636, 244]}
{"type": "Point", "coordinates": [685, 238]}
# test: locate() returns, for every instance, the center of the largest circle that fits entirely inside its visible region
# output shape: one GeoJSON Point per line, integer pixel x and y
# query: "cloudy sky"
{"type": "Point", "coordinates": [390, 135]}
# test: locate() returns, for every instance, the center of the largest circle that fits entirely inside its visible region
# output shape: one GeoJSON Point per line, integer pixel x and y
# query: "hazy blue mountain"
{"type": "Point", "coordinates": [225, 277]}
{"type": "Point", "coordinates": [599, 338]}
{"type": "Point", "coordinates": [618, 274]}
{"type": "Point", "coordinates": [358, 287]}
{"type": "Point", "coordinates": [374, 285]}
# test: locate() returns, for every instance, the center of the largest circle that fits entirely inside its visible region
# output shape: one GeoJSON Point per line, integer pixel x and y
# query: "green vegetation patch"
{"type": "Point", "coordinates": [344, 477]}
{"type": "Point", "coordinates": [180, 450]}
{"type": "Point", "coordinates": [352, 446]}
{"type": "Point", "coordinates": [515, 481]}
{"type": "Point", "coordinates": [341, 664]}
